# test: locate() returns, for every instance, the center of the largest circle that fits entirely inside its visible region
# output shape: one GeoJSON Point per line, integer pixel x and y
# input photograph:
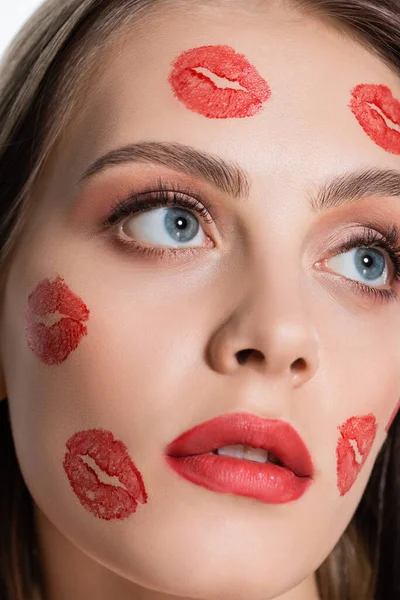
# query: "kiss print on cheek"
{"type": "Point", "coordinates": [52, 344]}
{"type": "Point", "coordinates": [98, 448]}
{"type": "Point", "coordinates": [393, 416]}
{"type": "Point", "coordinates": [200, 94]}
{"type": "Point", "coordinates": [357, 435]}
{"type": "Point", "coordinates": [378, 113]}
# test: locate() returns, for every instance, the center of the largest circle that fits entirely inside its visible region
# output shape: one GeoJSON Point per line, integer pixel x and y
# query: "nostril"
{"type": "Point", "coordinates": [299, 365]}
{"type": "Point", "coordinates": [243, 355]}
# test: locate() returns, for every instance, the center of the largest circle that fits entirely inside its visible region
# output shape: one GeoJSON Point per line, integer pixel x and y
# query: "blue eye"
{"type": "Point", "coordinates": [369, 259]}
{"type": "Point", "coordinates": [367, 265]}
{"type": "Point", "coordinates": [165, 227]}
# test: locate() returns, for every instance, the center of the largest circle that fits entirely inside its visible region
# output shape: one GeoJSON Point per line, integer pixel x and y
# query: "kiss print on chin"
{"type": "Point", "coordinates": [393, 416]}
{"type": "Point", "coordinates": [201, 95]}
{"type": "Point", "coordinates": [53, 343]}
{"type": "Point", "coordinates": [357, 435]}
{"type": "Point", "coordinates": [107, 456]}
{"type": "Point", "coordinates": [378, 113]}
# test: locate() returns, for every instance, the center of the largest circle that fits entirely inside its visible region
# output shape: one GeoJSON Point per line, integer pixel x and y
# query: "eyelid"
{"type": "Point", "coordinates": [371, 236]}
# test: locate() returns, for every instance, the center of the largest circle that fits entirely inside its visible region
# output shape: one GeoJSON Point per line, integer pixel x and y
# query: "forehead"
{"type": "Point", "coordinates": [306, 123]}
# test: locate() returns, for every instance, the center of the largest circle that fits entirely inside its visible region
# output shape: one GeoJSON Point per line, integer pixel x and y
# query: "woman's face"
{"type": "Point", "coordinates": [150, 347]}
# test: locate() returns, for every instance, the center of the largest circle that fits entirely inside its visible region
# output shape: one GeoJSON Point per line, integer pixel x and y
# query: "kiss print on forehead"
{"type": "Point", "coordinates": [107, 456]}
{"type": "Point", "coordinates": [201, 95]}
{"type": "Point", "coordinates": [357, 435]}
{"type": "Point", "coordinates": [378, 113]}
{"type": "Point", "coordinates": [393, 416]}
{"type": "Point", "coordinates": [53, 343]}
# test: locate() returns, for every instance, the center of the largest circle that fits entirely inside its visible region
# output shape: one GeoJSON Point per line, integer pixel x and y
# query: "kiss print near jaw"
{"type": "Point", "coordinates": [109, 457]}
{"type": "Point", "coordinates": [53, 344]}
{"type": "Point", "coordinates": [378, 113]}
{"type": "Point", "coordinates": [357, 435]}
{"type": "Point", "coordinates": [200, 94]}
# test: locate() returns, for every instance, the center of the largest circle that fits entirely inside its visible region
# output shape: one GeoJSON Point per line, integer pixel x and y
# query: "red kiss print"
{"type": "Point", "coordinates": [53, 344]}
{"type": "Point", "coordinates": [110, 457]}
{"type": "Point", "coordinates": [378, 112]}
{"type": "Point", "coordinates": [200, 94]}
{"type": "Point", "coordinates": [354, 445]}
{"type": "Point", "coordinates": [393, 416]}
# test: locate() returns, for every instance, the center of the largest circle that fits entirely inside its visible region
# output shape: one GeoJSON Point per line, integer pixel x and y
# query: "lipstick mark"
{"type": "Point", "coordinates": [200, 94]}
{"type": "Point", "coordinates": [357, 436]}
{"type": "Point", "coordinates": [52, 344]}
{"type": "Point", "coordinates": [378, 113]}
{"type": "Point", "coordinates": [393, 416]}
{"type": "Point", "coordinates": [107, 456]}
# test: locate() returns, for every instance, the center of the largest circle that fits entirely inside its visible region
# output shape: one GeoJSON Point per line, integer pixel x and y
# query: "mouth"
{"type": "Point", "coordinates": [240, 453]}
{"type": "Point", "coordinates": [53, 344]}
{"type": "Point", "coordinates": [200, 94]}
{"type": "Point", "coordinates": [111, 459]}
{"type": "Point", "coordinates": [378, 113]}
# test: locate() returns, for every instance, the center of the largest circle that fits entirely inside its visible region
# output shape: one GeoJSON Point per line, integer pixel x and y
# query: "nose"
{"type": "Point", "coordinates": [270, 331]}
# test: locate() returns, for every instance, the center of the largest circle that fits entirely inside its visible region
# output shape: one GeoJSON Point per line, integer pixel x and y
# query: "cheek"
{"type": "Point", "coordinates": [109, 458]}
{"type": "Point", "coordinates": [357, 436]}
{"type": "Point", "coordinates": [393, 416]}
{"type": "Point", "coordinates": [53, 343]}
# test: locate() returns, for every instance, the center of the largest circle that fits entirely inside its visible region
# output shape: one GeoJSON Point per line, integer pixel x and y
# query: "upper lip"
{"type": "Point", "coordinates": [275, 436]}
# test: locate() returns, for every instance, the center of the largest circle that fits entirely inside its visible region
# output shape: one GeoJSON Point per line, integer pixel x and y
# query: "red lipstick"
{"type": "Point", "coordinates": [378, 112]}
{"type": "Point", "coordinates": [52, 345]}
{"type": "Point", "coordinates": [192, 456]}
{"type": "Point", "coordinates": [357, 436]}
{"type": "Point", "coordinates": [200, 94]}
{"type": "Point", "coordinates": [111, 457]}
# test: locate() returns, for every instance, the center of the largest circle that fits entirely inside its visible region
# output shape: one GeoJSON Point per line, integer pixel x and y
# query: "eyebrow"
{"type": "Point", "coordinates": [233, 180]}
{"type": "Point", "coordinates": [349, 187]}
{"type": "Point", "coordinates": [227, 177]}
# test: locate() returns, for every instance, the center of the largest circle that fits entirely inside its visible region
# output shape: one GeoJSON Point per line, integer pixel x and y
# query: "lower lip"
{"type": "Point", "coordinates": [361, 430]}
{"type": "Point", "coordinates": [105, 501]}
{"type": "Point", "coordinates": [267, 482]}
{"type": "Point", "coordinates": [200, 94]}
{"type": "Point", "coordinates": [52, 345]}
{"type": "Point", "coordinates": [373, 123]}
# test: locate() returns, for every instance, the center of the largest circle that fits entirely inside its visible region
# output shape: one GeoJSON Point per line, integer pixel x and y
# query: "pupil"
{"type": "Point", "coordinates": [181, 224]}
{"type": "Point", "coordinates": [370, 262]}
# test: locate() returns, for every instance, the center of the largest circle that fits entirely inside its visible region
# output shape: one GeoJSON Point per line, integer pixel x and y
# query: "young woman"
{"type": "Point", "coordinates": [200, 325]}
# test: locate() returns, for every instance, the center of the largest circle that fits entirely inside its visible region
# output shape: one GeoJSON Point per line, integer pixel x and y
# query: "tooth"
{"type": "Point", "coordinates": [244, 452]}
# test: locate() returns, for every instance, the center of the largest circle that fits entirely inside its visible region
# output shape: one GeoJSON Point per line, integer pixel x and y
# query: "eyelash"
{"type": "Point", "coordinates": [163, 197]}
{"type": "Point", "coordinates": [370, 238]}
{"type": "Point", "coordinates": [158, 199]}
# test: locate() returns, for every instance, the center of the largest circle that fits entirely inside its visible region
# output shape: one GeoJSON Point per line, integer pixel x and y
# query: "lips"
{"type": "Point", "coordinates": [200, 94]}
{"type": "Point", "coordinates": [52, 345]}
{"type": "Point", "coordinates": [190, 455]}
{"type": "Point", "coordinates": [359, 432]}
{"type": "Point", "coordinates": [377, 126]}
{"type": "Point", "coordinates": [105, 501]}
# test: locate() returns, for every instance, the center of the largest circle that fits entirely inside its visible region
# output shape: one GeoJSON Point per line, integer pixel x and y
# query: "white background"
{"type": "Point", "coordinates": [13, 14]}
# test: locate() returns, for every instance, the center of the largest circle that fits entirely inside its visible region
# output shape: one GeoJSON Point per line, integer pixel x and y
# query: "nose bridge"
{"type": "Point", "coordinates": [277, 312]}
{"type": "Point", "coordinates": [272, 326]}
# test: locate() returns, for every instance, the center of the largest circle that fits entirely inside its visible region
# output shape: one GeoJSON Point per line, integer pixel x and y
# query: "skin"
{"type": "Point", "coordinates": [159, 356]}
